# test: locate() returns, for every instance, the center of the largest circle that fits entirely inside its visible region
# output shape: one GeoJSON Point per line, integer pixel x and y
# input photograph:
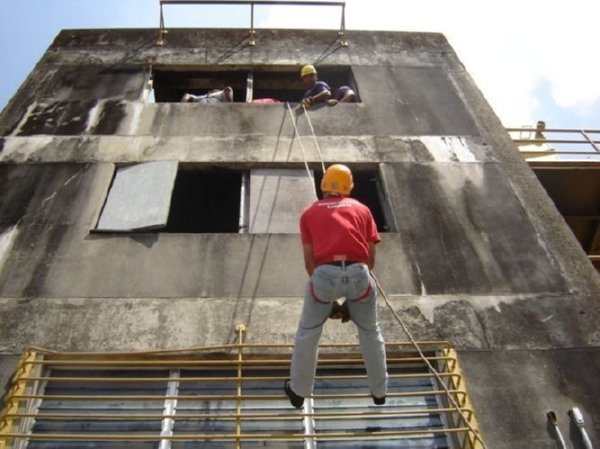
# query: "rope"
{"type": "Point", "coordinates": [302, 148]}
{"type": "Point", "coordinates": [389, 305]}
{"type": "Point", "coordinates": [312, 130]}
{"type": "Point", "coordinates": [427, 362]}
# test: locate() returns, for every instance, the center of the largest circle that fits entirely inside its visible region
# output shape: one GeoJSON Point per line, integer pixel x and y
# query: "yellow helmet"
{"type": "Point", "coordinates": [338, 179]}
{"type": "Point", "coordinates": [308, 70]}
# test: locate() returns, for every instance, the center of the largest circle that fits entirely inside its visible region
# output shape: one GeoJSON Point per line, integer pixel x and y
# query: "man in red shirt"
{"type": "Point", "coordinates": [338, 239]}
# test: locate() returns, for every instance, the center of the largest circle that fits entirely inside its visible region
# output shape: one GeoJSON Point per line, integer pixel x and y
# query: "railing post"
{"type": "Point", "coordinates": [590, 141]}
{"type": "Point", "coordinates": [252, 41]}
{"type": "Point", "coordinates": [343, 41]}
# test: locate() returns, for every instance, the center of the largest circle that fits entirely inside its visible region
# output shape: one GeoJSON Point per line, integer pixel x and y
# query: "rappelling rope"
{"type": "Point", "coordinates": [386, 300]}
{"type": "Point", "coordinates": [312, 130]}
{"type": "Point", "coordinates": [427, 362]}
{"type": "Point", "coordinates": [296, 133]}
{"type": "Point", "coordinates": [312, 180]}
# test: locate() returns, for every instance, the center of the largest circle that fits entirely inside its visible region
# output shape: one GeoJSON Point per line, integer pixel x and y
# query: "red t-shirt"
{"type": "Point", "coordinates": [338, 228]}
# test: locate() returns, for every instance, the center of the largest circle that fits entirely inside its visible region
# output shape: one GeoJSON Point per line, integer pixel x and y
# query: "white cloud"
{"type": "Point", "coordinates": [509, 48]}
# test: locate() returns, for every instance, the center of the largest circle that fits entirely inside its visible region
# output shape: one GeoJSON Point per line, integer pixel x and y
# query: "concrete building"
{"type": "Point", "coordinates": [205, 198]}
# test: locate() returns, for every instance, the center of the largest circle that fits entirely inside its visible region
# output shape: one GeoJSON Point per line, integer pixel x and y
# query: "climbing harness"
{"type": "Point", "coordinates": [386, 300]}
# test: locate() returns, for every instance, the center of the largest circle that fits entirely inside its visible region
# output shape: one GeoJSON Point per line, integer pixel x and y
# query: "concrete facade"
{"type": "Point", "coordinates": [476, 252]}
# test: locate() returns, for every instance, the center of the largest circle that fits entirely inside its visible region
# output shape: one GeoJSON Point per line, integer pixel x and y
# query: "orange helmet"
{"type": "Point", "coordinates": [338, 179]}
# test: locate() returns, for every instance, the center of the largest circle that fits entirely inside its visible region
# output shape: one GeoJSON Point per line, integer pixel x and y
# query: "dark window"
{"type": "Point", "coordinates": [171, 85]}
{"type": "Point", "coordinates": [206, 201]}
{"type": "Point", "coordinates": [164, 196]}
{"type": "Point", "coordinates": [280, 83]}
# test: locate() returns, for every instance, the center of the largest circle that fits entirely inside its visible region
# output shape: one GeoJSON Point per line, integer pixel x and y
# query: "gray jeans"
{"type": "Point", "coordinates": [328, 283]}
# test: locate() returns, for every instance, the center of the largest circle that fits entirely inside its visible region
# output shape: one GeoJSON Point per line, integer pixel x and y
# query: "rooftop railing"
{"type": "Point", "coordinates": [252, 32]}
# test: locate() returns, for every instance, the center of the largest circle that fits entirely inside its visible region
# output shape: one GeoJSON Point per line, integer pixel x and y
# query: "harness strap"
{"type": "Point", "coordinates": [314, 295]}
{"type": "Point", "coordinates": [365, 294]}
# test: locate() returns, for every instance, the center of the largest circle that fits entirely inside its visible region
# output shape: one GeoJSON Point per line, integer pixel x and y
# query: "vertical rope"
{"type": "Point", "coordinates": [302, 148]}
{"type": "Point", "coordinates": [312, 130]}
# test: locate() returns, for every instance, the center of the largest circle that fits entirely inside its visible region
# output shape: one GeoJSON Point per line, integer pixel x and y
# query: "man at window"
{"type": "Point", "coordinates": [343, 94]}
{"type": "Point", "coordinates": [317, 91]}
{"type": "Point", "coordinates": [338, 236]}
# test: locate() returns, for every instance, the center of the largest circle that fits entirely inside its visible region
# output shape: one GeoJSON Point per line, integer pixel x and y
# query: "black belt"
{"type": "Point", "coordinates": [342, 263]}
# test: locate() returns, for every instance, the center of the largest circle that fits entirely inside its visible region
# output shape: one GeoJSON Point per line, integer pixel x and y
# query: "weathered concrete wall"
{"type": "Point", "coordinates": [472, 222]}
{"type": "Point", "coordinates": [480, 256]}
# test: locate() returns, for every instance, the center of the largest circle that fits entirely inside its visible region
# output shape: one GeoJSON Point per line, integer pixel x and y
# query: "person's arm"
{"type": "Point", "coordinates": [323, 95]}
{"type": "Point", "coordinates": [309, 261]}
{"type": "Point", "coordinates": [371, 261]}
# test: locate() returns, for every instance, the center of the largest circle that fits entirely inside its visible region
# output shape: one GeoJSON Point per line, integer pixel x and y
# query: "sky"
{"type": "Point", "coordinates": [532, 59]}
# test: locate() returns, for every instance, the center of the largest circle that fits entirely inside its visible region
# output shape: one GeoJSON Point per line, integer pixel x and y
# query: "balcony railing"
{"type": "Point", "coordinates": [561, 151]}
{"type": "Point", "coordinates": [232, 396]}
{"type": "Point", "coordinates": [541, 145]}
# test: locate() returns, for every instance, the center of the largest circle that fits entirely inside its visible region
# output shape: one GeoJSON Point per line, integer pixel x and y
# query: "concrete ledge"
{"type": "Point", "coordinates": [105, 324]}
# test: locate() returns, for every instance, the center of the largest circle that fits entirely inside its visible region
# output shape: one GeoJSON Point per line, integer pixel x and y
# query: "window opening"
{"type": "Point", "coordinates": [231, 396]}
{"type": "Point", "coordinates": [368, 189]}
{"type": "Point", "coordinates": [164, 196]}
{"type": "Point", "coordinates": [206, 201]}
{"type": "Point", "coordinates": [282, 84]}
{"type": "Point", "coordinates": [286, 85]}
{"type": "Point", "coordinates": [171, 85]}
{"type": "Point", "coordinates": [337, 77]}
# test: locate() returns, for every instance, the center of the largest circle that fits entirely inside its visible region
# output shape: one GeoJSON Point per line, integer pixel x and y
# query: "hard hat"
{"type": "Point", "coordinates": [338, 179]}
{"type": "Point", "coordinates": [308, 70]}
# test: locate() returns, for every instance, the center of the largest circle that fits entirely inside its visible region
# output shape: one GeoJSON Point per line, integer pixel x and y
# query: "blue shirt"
{"type": "Point", "coordinates": [318, 87]}
{"type": "Point", "coordinates": [340, 92]}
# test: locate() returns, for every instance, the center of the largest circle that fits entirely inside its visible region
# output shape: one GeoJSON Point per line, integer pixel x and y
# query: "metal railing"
{"type": "Point", "coordinates": [558, 145]}
{"type": "Point", "coordinates": [252, 33]}
{"type": "Point", "coordinates": [561, 148]}
{"type": "Point", "coordinates": [36, 395]}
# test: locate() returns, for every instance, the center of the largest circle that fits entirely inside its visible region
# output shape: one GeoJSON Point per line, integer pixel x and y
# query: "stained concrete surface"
{"type": "Point", "coordinates": [481, 257]}
{"type": "Point", "coordinates": [525, 385]}
{"type": "Point", "coordinates": [474, 226]}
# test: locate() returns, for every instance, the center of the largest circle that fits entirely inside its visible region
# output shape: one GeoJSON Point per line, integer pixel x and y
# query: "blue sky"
{"type": "Point", "coordinates": [533, 60]}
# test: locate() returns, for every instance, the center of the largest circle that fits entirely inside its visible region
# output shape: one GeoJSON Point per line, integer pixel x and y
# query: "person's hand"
{"type": "Point", "coordinates": [307, 102]}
